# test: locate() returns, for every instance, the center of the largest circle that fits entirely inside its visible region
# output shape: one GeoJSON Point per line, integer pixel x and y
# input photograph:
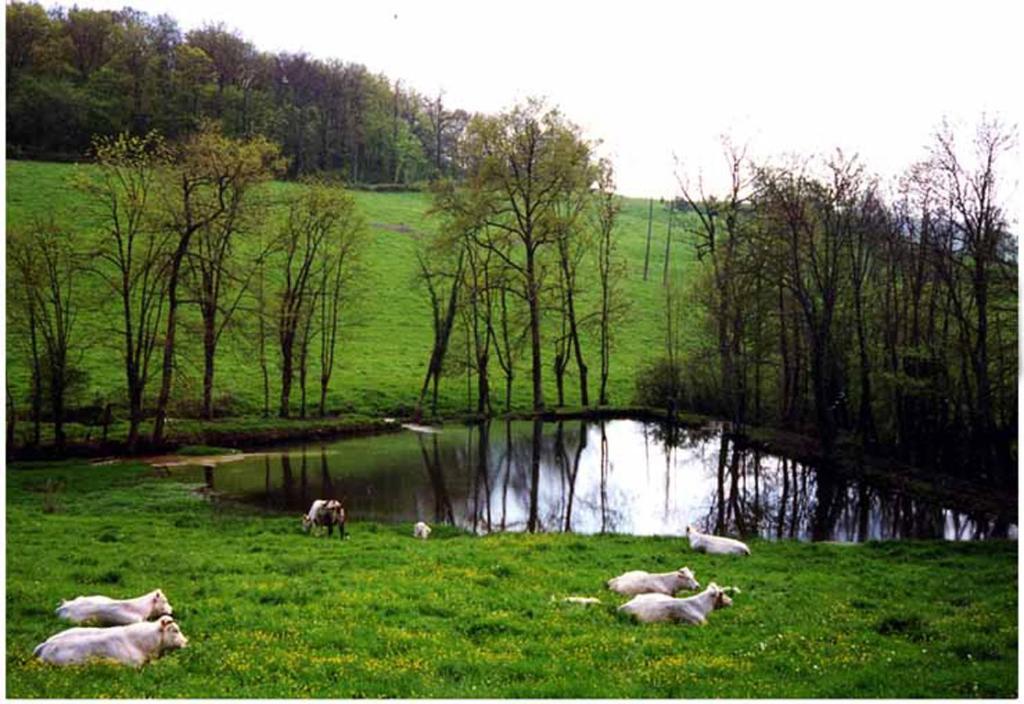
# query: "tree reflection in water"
{"type": "Point", "coordinates": [593, 477]}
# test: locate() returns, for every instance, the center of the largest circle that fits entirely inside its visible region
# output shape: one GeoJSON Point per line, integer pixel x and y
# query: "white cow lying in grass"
{"type": "Point", "coordinates": [714, 544]}
{"type": "Point", "coordinates": [105, 611]}
{"type": "Point", "coordinates": [640, 582]}
{"type": "Point", "coordinates": [421, 530]}
{"type": "Point", "coordinates": [134, 644]}
{"type": "Point", "coordinates": [649, 608]}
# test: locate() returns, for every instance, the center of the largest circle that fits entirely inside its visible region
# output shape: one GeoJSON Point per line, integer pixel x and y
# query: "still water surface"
{"type": "Point", "coordinates": [617, 476]}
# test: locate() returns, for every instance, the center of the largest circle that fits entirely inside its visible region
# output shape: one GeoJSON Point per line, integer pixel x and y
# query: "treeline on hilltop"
{"type": "Point", "coordinates": [73, 73]}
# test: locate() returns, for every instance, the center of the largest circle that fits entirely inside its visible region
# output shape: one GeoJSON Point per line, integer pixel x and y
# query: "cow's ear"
{"type": "Point", "coordinates": [165, 621]}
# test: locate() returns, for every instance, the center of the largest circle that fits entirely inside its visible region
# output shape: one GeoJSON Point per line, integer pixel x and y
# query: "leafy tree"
{"type": "Point", "coordinates": [521, 166]}
{"type": "Point", "coordinates": [207, 187]}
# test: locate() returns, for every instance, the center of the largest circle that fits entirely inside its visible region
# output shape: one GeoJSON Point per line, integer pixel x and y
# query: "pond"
{"type": "Point", "coordinates": [617, 476]}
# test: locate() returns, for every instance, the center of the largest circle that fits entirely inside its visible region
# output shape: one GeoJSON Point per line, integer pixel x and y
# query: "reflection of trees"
{"type": "Point", "coordinates": [604, 478]}
{"type": "Point", "coordinates": [580, 446]}
{"type": "Point", "coordinates": [781, 498]}
{"type": "Point", "coordinates": [326, 482]}
{"type": "Point", "coordinates": [482, 475]}
{"type": "Point", "coordinates": [535, 445]}
{"type": "Point", "coordinates": [287, 479]}
{"type": "Point", "coordinates": [443, 512]}
{"type": "Point", "coordinates": [266, 480]}
{"type": "Point", "coordinates": [670, 435]}
{"type": "Point", "coordinates": [304, 484]}
{"type": "Point", "coordinates": [508, 472]}
{"type": "Point", "coordinates": [538, 482]}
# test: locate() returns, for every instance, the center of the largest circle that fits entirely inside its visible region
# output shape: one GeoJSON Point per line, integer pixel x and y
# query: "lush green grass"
{"type": "Point", "coordinates": [386, 341]}
{"type": "Point", "coordinates": [272, 612]}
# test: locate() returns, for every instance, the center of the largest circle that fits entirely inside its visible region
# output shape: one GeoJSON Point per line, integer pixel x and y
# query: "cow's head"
{"type": "Point", "coordinates": [719, 598]}
{"type": "Point", "coordinates": [307, 522]}
{"type": "Point", "coordinates": [159, 605]}
{"type": "Point", "coordinates": [685, 575]}
{"type": "Point", "coordinates": [171, 637]}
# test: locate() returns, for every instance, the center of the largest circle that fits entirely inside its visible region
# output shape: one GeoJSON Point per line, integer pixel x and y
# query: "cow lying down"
{"type": "Point", "coordinates": [105, 611]}
{"type": "Point", "coordinates": [134, 644]}
{"type": "Point", "coordinates": [715, 544]}
{"type": "Point", "coordinates": [650, 608]}
{"type": "Point", "coordinates": [421, 530]}
{"type": "Point", "coordinates": [640, 582]}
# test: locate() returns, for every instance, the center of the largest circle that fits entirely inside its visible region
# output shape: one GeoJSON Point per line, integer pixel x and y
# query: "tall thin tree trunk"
{"type": "Point", "coordinates": [533, 298]}
{"type": "Point", "coordinates": [668, 244]}
{"type": "Point", "coordinates": [209, 352]}
{"type": "Point", "coordinates": [647, 251]}
{"type": "Point", "coordinates": [167, 371]}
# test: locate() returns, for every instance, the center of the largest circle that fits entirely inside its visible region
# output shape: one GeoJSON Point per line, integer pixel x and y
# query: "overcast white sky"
{"type": "Point", "coordinates": [652, 79]}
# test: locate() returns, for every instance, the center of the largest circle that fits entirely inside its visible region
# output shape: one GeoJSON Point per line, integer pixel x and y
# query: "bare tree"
{"type": "Point", "coordinates": [981, 239]}
{"type": "Point", "coordinates": [22, 282]}
{"type": "Point", "coordinates": [521, 165]}
{"type": "Point", "coordinates": [722, 239]}
{"type": "Point", "coordinates": [58, 303]}
{"type": "Point", "coordinates": [610, 270]}
{"type": "Point", "coordinates": [218, 281]}
{"type": "Point", "coordinates": [132, 253]}
{"type": "Point", "coordinates": [313, 216]}
{"type": "Point", "coordinates": [211, 176]}
{"type": "Point", "coordinates": [339, 273]}
{"type": "Point", "coordinates": [443, 317]}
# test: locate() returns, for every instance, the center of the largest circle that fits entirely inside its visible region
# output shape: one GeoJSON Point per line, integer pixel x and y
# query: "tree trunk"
{"type": "Point", "coordinates": [533, 298]}
{"type": "Point", "coordinates": [209, 351]}
{"type": "Point", "coordinates": [172, 322]}
{"type": "Point", "coordinates": [37, 383]}
{"type": "Point", "coordinates": [12, 419]}
{"type": "Point", "coordinates": [647, 251]}
{"type": "Point", "coordinates": [286, 377]}
{"type": "Point", "coordinates": [575, 339]}
{"type": "Point", "coordinates": [57, 402]}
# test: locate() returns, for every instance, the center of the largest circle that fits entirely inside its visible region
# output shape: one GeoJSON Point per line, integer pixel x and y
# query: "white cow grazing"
{"type": "Point", "coordinates": [649, 608]}
{"type": "Point", "coordinates": [421, 530]}
{"type": "Point", "coordinates": [309, 517]}
{"type": "Point", "coordinates": [714, 544]}
{"type": "Point", "coordinates": [325, 513]}
{"type": "Point", "coordinates": [105, 611]}
{"type": "Point", "coordinates": [134, 644]}
{"type": "Point", "coordinates": [640, 582]}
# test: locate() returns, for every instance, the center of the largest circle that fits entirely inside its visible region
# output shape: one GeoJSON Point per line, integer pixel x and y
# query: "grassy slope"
{"type": "Point", "coordinates": [384, 349]}
{"type": "Point", "coordinates": [274, 613]}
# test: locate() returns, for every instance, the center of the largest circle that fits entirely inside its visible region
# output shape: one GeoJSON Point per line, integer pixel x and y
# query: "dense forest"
{"type": "Point", "coordinates": [73, 73]}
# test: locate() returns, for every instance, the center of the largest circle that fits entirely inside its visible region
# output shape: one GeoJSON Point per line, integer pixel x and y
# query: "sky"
{"type": "Point", "coordinates": [656, 82]}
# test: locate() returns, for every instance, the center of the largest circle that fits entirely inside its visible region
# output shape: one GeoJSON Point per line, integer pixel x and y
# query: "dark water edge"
{"type": "Point", "coordinates": [585, 476]}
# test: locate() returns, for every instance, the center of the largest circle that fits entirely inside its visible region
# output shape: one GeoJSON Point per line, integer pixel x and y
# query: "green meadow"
{"type": "Point", "coordinates": [272, 612]}
{"type": "Point", "coordinates": [386, 338]}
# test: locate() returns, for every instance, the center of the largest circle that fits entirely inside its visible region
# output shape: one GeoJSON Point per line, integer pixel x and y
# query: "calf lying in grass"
{"type": "Point", "coordinates": [105, 611]}
{"type": "Point", "coordinates": [650, 608]}
{"type": "Point", "coordinates": [134, 644]}
{"type": "Point", "coordinates": [421, 530]}
{"type": "Point", "coordinates": [714, 544]}
{"type": "Point", "coordinates": [640, 582]}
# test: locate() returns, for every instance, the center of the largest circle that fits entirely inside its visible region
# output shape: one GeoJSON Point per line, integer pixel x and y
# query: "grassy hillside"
{"type": "Point", "coordinates": [271, 612]}
{"type": "Point", "coordinates": [387, 335]}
